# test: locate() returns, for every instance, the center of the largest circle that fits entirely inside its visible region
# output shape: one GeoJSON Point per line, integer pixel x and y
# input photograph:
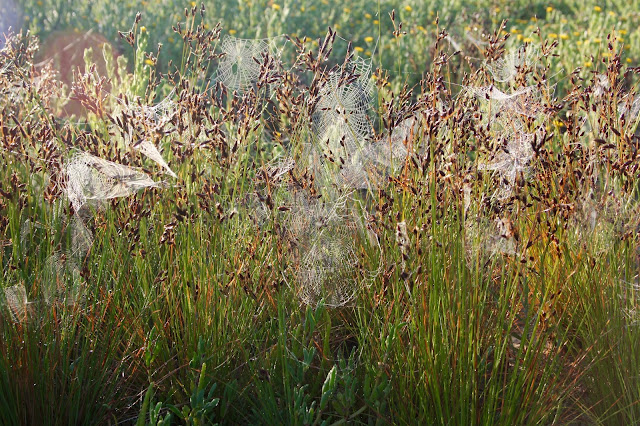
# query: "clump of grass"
{"type": "Point", "coordinates": [323, 246]}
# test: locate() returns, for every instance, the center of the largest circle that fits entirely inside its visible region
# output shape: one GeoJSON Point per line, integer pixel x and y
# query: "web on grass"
{"type": "Point", "coordinates": [602, 216]}
{"type": "Point", "coordinates": [506, 68]}
{"type": "Point", "coordinates": [15, 298]}
{"type": "Point", "coordinates": [148, 148]}
{"type": "Point", "coordinates": [149, 121]}
{"type": "Point", "coordinates": [326, 240]}
{"type": "Point", "coordinates": [61, 281]}
{"type": "Point", "coordinates": [485, 239]}
{"type": "Point", "coordinates": [81, 238]}
{"type": "Point", "coordinates": [524, 102]}
{"type": "Point", "coordinates": [629, 109]}
{"type": "Point", "coordinates": [511, 160]}
{"type": "Point", "coordinates": [93, 179]}
{"type": "Point", "coordinates": [340, 124]}
{"type": "Point", "coordinates": [376, 161]}
{"type": "Point", "coordinates": [342, 109]}
{"type": "Point", "coordinates": [239, 68]}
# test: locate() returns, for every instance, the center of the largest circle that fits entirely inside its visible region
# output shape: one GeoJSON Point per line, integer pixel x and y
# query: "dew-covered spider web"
{"type": "Point", "coordinates": [148, 121]}
{"type": "Point", "coordinates": [239, 67]}
{"type": "Point", "coordinates": [81, 238]}
{"type": "Point", "coordinates": [484, 239]}
{"type": "Point", "coordinates": [61, 281]}
{"type": "Point", "coordinates": [148, 148]}
{"type": "Point", "coordinates": [341, 111]}
{"type": "Point", "coordinates": [601, 216]}
{"type": "Point", "coordinates": [15, 298]}
{"type": "Point", "coordinates": [629, 109]}
{"type": "Point", "coordinates": [524, 102]}
{"type": "Point", "coordinates": [90, 178]}
{"type": "Point", "coordinates": [341, 127]}
{"type": "Point", "coordinates": [326, 241]}
{"type": "Point", "coordinates": [506, 68]}
{"type": "Point", "coordinates": [371, 166]}
{"type": "Point", "coordinates": [510, 160]}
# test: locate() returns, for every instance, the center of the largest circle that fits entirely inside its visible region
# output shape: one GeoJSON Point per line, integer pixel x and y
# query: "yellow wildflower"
{"type": "Point", "coordinates": [275, 6]}
{"type": "Point", "coordinates": [376, 22]}
{"type": "Point", "coordinates": [597, 8]}
{"type": "Point", "coordinates": [549, 9]}
{"type": "Point", "coordinates": [553, 35]}
{"type": "Point", "coordinates": [368, 39]}
{"type": "Point", "coordinates": [367, 15]}
{"type": "Point", "coordinates": [368, 53]}
{"type": "Point", "coordinates": [628, 60]}
{"type": "Point", "coordinates": [346, 10]}
{"type": "Point", "coordinates": [358, 49]}
{"type": "Point", "coordinates": [564, 36]}
{"type": "Point", "coordinates": [527, 40]}
{"type": "Point", "coordinates": [148, 62]}
{"type": "Point", "coordinates": [232, 32]}
{"type": "Point", "coordinates": [408, 8]}
{"type": "Point", "coordinates": [193, 4]}
{"type": "Point", "coordinates": [302, 9]}
{"type": "Point", "coordinates": [588, 64]}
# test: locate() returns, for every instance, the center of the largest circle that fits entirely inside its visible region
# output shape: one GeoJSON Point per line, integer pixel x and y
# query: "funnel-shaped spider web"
{"type": "Point", "coordinates": [149, 120]}
{"type": "Point", "coordinates": [90, 178]}
{"type": "Point", "coordinates": [522, 102]}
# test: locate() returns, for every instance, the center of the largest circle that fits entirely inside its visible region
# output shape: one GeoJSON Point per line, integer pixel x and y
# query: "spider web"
{"type": "Point", "coordinates": [90, 178]}
{"type": "Point", "coordinates": [16, 302]}
{"type": "Point", "coordinates": [239, 68]}
{"type": "Point", "coordinates": [61, 281]}
{"type": "Point", "coordinates": [147, 148]}
{"type": "Point", "coordinates": [514, 158]}
{"type": "Point", "coordinates": [375, 162]}
{"type": "Point", "coordinates": [150, 120]}
{"type": "Point", "coordinates": [525, 102]}
{"type": "Point", "coordinates": [506, 68]}
{"type": "Point", "coordinates": [602, 216]}
{"type": "Point", "coordinates": [81, 238]}
{"type": "Point", "coordinates": [629, 108]}
{"type": "Point", "coordinates": [340, 126]}
{"type": "Point", "coordinates": [484, 239]}
{"type": "Point", "coordinates": [326, 239]}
